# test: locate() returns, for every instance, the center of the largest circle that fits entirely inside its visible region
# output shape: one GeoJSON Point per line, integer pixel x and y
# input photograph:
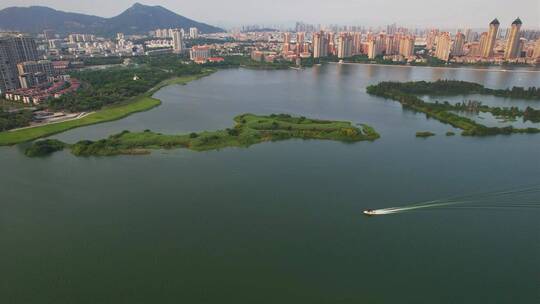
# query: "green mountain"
{"type": "Point", "coordinates": [137, 19]}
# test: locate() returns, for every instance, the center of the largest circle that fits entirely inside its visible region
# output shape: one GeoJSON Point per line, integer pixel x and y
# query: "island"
{"type": "Point", "coordinates": [249, 129]}
{"type": "Point", "coordinates": [407, 93]}
{"type": "Point", "coordinates": [424, 134]}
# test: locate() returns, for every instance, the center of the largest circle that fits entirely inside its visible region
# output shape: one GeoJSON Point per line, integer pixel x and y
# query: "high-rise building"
{"type": "Point", "coordinates": [345, 46]}
{"type": "Point", "coordinates": [482, 44]}
{"type": "Point", "coordinates": [375, 46]}
{"type": "Point", "coordinates": [459, 41]}
{"type": "Point", "coordinates": [286, 37]}
{"type": "Point", "coordinates": [431, 39]}
{"type": "Point", "coordinates": [193, 33]}
{"type": "Point", "coordinates": [406, 46]}
{"type": "Point", "coordinates": [300, 39]}
{"type": "Point", "coordinates": [389, 45]}
{"type": "Point", "coordinates": [286, 42]}
{"type": "Point", "coordinates": [372, 49]}
{"type": "Point", "coordinates": [331, 48]}
{"type": "Point", "coordinates": [487, 51]}
{"type": "Point", "coordinates": [536, 52]}
{"type": "Point", "coordinates": [178, 41]}
{"type": "Point", "coordinates": [444, 44]}
{"type": "Point", "coordinates": [14, 49]}
{"type": "Point", "coordinates": [468, 35]}
{"type": "Point", "coordinates": [320, 45]}
{"type": "Point", "coordinates": [357, 43]}
{"type": "Point", "coordinates": [32, 73]}
{"type": "Point", "coordinates": [512, 42]}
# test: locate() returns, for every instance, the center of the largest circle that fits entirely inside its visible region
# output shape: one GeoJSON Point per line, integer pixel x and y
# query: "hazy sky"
{"type": "Point", "coordinates": [449, 13]}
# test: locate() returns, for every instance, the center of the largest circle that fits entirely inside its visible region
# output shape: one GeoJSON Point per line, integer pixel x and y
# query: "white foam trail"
{"type": "Point", "coordinates": [393, 210]}
{"type": "Point", "coordinates": [509, 197]}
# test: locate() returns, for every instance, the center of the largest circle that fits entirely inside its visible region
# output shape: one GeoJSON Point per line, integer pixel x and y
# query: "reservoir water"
{"type": "Point", "coordinates": [277, 222]}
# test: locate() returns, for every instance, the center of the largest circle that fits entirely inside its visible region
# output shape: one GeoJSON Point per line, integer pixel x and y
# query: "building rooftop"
{"type": "Point", "coordinates": [517, 21]}
{"type": "Point", "coordinates": [495, 22]}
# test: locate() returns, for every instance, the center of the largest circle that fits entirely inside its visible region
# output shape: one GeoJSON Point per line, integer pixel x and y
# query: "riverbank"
{"type": "Point", "coordinates": [249, 129]}
{"type": "Point", "coordinates": [462, 67]}
{"type": "Point", "coordinates": [137, 104]}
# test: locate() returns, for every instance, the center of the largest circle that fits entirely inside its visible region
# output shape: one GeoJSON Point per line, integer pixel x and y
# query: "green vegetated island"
{"type": "Point", "coordinates": [249, 129]}
{"type": "Point", "coordinates": [407, 93]}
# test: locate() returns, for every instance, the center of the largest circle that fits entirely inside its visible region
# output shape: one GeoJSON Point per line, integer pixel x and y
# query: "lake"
{"type": "Point", "coordinates": [277, 222]}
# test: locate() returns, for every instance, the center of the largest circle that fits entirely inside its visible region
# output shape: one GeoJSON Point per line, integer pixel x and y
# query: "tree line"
{"type": "Point", "coordinates": [405, 93]}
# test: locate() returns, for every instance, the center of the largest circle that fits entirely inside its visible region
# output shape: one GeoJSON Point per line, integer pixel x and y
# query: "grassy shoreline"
{"type": "Point", "coordinates": [137, 104]}
{"type": "Point", "coordinates": [249, 129]}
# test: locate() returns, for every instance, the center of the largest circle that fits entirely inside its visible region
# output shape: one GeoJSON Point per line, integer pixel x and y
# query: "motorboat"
{"type": "Point", "coordinates": [370, 212]}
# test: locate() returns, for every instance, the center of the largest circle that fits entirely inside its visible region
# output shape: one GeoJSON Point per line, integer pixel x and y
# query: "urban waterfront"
{"type": "Point", "coordinates": [276, 222]}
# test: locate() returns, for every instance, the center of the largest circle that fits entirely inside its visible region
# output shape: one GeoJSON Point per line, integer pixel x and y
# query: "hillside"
{"type": "Point", "coordinates": [137, 19]}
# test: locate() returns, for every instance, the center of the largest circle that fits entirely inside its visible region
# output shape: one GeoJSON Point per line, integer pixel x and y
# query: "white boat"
{"type": "Point", "coordinates": [370, 212]}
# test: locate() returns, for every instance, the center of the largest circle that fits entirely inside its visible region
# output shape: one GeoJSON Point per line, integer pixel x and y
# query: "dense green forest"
{"type": "Point", "coordinates": [12, 120]}
{"type": "Point", "coordinates": [456, 87]}
{"type": "Point", "coordinates": [115, 85]}
{"type": "Point", "coordinates": [406, 92]}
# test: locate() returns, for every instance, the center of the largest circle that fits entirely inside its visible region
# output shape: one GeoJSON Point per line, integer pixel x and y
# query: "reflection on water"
{"type": "Point", "coordinates": [489, 100]}
{"type": "Point", "coordinates": [281, 219]}
{"type": "Point", "coordinates": [489, 120]}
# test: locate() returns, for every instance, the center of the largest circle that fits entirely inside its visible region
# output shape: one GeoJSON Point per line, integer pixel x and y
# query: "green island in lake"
{"type": "Point", "coordinates": [407, 93]}
{"type": "Point", "coordinates": [249, 129]}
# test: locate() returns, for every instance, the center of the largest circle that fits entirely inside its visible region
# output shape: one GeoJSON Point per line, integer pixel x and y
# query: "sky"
{"type": "Point", "coordinates": [231, 13]}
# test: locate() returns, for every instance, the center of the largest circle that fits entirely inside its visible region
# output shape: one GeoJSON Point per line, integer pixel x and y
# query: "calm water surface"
{"type": "Point", "coordinates": [276, 222]}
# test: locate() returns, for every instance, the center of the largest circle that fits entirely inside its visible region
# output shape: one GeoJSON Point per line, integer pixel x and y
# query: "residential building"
{"type": "Point", "coordinates": [14, 48]}
{"type": "Point", "coordinates": [193, 33]}
{"type": "Point", "coordinates": [444, 44]}
{"type": "Point", "coordinates": [345, 46]}
{"type": "Point", "coordinates": [512, 48]}
{"type": "Point", "coordinates": [406, 46]}
{"type": "Point", "coordinates": [320, 45]}
{"type": "Point", "coordinates": [199, 52]}
{"type": "Point", "coordinates": [482, 43]}
{"type": "Point", "coordinates": [459, 42]}
{"type": "Point", "coordinates": [178, 41]}
{"type": "Point", "coordinates": [536, 52]}
{"type": "Point", "coordinates": [489, 44]}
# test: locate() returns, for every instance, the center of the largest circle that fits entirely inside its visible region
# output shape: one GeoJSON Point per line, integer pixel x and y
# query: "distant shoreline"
{"type": "Point", "coordinates": [446, 68]}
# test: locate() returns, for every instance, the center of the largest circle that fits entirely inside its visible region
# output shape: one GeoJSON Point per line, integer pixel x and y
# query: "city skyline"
{"type": "Point", "coordinates": [414, 13]}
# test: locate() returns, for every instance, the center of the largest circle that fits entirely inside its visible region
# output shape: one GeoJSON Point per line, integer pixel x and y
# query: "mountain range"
{"type": "Point", "coordinates": [138, 19]}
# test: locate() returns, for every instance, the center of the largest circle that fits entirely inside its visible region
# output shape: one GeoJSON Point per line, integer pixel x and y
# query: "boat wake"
{"type": "Point", "coordinates": [522, 198]}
